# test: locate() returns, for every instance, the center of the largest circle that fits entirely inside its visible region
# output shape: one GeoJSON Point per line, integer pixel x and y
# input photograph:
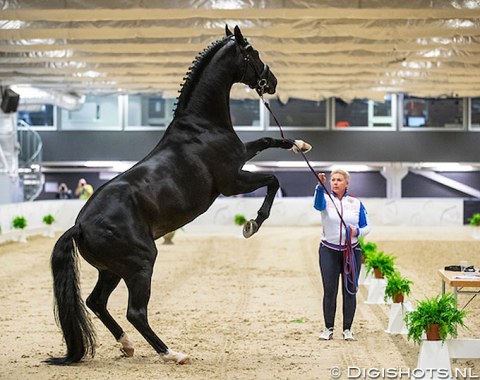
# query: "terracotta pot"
{"type": "Point", "coordinates": [398, 298]}
{"type": "Point", "coordinates": [433, 332]}
{"type": "Point", "coordinates": [363, 259]}
{"type": "Point", "coordinates": [378, 273]}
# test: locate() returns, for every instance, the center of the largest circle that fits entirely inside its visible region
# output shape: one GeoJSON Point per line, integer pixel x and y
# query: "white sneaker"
{"type": "Point", "coordinates": [327, 334]}
{"type": "Point", "coordinates": [347, 335]}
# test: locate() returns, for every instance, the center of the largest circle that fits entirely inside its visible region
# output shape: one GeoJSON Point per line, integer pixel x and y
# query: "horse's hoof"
{"type": "Point", "coordinates": [127, 346]}
{"type": "Point", "coordinates": [127, 352]}
{"type": "Point", "coordinates": [249, 228]}
{"type": "Point", "coordinates": [176, 357]}
{"type": "Point", "coordinates": [300, 146]}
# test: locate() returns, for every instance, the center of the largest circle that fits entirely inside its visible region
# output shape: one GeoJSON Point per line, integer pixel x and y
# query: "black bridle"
{"type": "Point", "coordinates": [261, 83]}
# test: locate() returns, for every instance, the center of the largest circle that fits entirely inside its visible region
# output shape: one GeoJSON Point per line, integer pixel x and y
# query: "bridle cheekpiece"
{"type": "Point", "coordinates": [261, 84]}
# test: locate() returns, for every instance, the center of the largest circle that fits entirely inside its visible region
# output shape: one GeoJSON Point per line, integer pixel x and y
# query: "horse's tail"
{"type": "Point", "coordinates": [70, 312]}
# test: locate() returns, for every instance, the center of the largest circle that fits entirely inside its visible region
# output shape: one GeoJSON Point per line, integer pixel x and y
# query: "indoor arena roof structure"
{"type": "Point", "coordinates": [317, 49]}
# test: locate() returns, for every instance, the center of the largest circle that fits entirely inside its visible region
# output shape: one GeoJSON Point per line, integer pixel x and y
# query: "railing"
{"type": "Point", "coordinates": [30, 161]}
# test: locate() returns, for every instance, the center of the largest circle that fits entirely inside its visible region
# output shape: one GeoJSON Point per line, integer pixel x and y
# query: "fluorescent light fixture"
{"type": "Point", "coordinates": [290, 164]}
{"type": "Point", "coordinates": [250, 168]}
{"type": "Point", "coordinates": [100, 164]}
{"type": "Point", "coordinates": [447, 166]}
{"type": "Point", "coordinates": [120, 167]}
{"type": "Point", "coordinates": [352, 167]}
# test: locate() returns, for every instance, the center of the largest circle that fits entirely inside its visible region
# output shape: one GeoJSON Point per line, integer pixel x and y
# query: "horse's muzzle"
{"type": "Point", "coordinates": [267, 82]}
{"type": "Point", "coordinates": [271, 83]}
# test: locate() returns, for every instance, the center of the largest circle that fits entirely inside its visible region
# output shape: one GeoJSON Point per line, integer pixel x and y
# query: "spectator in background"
{"type": "Point", "coordinates": [63, 192]}
{"type": "Point", "coordinates": [83, 190]}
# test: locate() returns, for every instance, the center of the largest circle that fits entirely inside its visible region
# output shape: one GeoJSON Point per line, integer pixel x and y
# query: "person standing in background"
{"type": "Point", "coordinates": [83, 190]}
{"type": "Point", "coordinates": [63, 192]}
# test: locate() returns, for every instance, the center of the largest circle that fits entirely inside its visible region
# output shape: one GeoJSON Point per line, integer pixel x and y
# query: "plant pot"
{"type": "Point", "coordinates": [433, 332]}
{"type": "Point", "coordinates": [50, 232]}
{"type": "Point", "coordinates": [476, 232]}
{"type": "Point", "coordinates": [378, 273]}
{"type": "Point", "coordinates": [398, 298]}
{"type": "Point", "coordinates": [363, 259]}
{"type": "Point", "coordinates": [23, 236]}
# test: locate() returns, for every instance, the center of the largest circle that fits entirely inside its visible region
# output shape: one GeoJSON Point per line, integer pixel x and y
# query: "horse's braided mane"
{"type": "Point", "coordinates": [194, 71]}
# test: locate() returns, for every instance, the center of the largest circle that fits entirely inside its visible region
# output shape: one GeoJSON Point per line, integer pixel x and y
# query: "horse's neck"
{"type": "Point", "coordinates": [210, 97]}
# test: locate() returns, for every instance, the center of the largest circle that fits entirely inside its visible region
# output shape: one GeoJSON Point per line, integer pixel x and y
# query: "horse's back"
{"type": "Point", "coordinates": [150, 199]}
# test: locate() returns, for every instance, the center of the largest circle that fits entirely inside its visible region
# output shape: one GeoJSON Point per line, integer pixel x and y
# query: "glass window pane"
{"type": "Point", "coordinates": [41, 118]}
{"type": "Point", "coordinates": [150, 110]}
{"type": "Point", "coordinates": [363, 113]}
{"type": "Point", "coordinates": [476, 113]}
{"type": "Point", "coordinates": [245, 112]}
{"type": "Point", "coordinates": [299, 113]}
{"type": "Point", "coordinates": [98, 112]}
{"type": "Point", "coordinates": [432, 113]}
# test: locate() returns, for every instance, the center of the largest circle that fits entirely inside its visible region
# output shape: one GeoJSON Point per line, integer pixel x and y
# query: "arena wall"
{"type": "Point", "coordinates": [285, 212]}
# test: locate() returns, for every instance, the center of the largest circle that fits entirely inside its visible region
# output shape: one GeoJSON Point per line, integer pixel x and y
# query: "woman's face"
{"type": "Point", "coordinates": [338, 184]}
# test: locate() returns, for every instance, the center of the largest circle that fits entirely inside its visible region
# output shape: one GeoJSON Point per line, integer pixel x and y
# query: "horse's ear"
{"type": "Point", "coordinates": [227, 31]}
{"type": "Point", "coordinates": [238, 35]}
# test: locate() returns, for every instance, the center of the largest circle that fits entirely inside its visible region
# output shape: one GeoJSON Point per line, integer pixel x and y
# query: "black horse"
{"type": "Point", "coordinates": [199, 157]}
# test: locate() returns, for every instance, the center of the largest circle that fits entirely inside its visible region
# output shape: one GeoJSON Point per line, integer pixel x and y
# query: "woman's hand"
{"type": "Point", "coordinates": [353, 231]}
{"type": "Point", "coordinates": [322, 177]}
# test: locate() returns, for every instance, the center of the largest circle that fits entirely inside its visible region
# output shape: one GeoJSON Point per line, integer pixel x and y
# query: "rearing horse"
{"type": "Point", "coordinates": [199, 157]}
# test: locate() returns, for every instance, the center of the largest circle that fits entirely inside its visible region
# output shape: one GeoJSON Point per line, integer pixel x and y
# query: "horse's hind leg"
{"type": "Point", "coordinates": [139, 286]}
{"type": "Point", "coordinates": [97, 302]}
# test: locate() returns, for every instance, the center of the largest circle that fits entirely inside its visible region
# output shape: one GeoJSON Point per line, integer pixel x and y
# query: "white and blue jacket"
{"type": "Point", "coordinates": [353, 213]}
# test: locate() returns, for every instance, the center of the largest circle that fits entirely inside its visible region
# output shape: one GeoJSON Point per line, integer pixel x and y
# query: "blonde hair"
{"type": "Point", "coordinates": [344, 173]}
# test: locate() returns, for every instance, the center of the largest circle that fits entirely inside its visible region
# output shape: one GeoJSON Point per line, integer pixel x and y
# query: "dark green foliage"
{"type": "Point", "coordinates": [397, 284]}
{"type": "Point", "coordinates": [378, 259]}
{"type": "Point", "coordinates": [19, 222]}
{"type": "Point", "coordinates": [239, 219]}
{"type": "Point", "coordinates": [436, 310]}
{"type": "Point", "coordinates": [48, 219]}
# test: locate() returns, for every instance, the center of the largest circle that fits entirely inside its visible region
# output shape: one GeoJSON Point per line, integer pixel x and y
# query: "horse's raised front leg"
{"type": "Point", "coordinates": [247, 182]}
{"type": "Point", "coordinates": [254, 147]}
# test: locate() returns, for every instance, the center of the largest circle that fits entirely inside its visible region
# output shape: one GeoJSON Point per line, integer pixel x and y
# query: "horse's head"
{"type": "Point", "coordinates": [256, 74]}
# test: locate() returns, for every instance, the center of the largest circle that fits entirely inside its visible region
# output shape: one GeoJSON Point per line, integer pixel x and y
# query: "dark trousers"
{"type": "Point", "coordinates": [331, 268]}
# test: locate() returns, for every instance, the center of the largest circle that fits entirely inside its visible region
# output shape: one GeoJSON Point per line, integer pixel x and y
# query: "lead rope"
{"type": "Point", "coordinates": [349, 262]}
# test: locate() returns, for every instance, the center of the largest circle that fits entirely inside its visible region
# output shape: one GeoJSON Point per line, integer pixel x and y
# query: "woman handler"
{"type": "Point", "coordinates": [333, 245]}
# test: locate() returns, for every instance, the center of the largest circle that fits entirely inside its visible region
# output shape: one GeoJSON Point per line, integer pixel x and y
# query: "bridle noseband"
{"type": "Point", "coordinates": [261, 84]}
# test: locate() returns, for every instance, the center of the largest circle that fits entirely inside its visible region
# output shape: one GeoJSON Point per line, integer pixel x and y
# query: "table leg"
{"type": "Point", "coordinates": [443, 287]}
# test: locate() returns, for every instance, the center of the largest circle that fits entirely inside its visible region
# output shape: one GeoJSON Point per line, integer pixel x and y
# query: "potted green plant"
{"type": "Point", "coordinates": [474, 221]}
{"type": "Point", "coordinates": [380, 263]}
{"type": "Point", "coordinates": [239, 219]}
{"type": "Point", "coordinates": [438, 317]}
{"type": "Point", "coordinates": [19, 223]}
{"type": "Point", "coordinates": [397, 287]}
{"type": "Point", "coordinates": [367, 248]}
{"type": "Point", "coordinates": [49, 220]}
